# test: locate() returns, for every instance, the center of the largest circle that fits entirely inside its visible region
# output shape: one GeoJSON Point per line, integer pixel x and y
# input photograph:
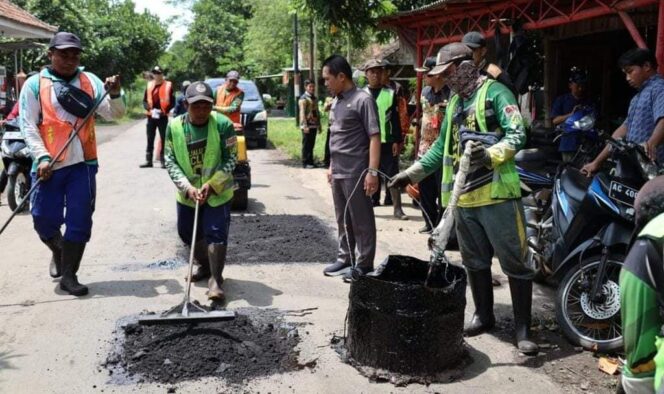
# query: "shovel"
{"type": "Point", "coordinates": [181, 313]}
{"type": "Point", "coordinates": [441, 234]}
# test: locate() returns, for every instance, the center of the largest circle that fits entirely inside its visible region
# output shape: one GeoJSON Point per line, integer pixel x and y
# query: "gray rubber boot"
{"type": "Point", "coordinates": [483, 319]}
{"type": "Point", "coordinates": [148, 161]}
{"type": "Point", "coordinates": [55, 245]}
{"type": "Point", "coordinates": [202, 261]}
{"type": "Point", "coordinates": [72, 253]}
{"type": "Point", "coordinates": [396, 200]}
{"type": "Point", "coordinates": [217, 256]}
{"type": "Point", "coordinates": [521, 291]}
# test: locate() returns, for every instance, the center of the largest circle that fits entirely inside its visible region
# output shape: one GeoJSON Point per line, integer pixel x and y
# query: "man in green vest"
{"type": "Point", "coordinates": [489, 216]}
{"type": "Point", "coordinates": [390, 129]}
{"type": "Point", "coordinates": [642, 294]}
{"type": "Point", "coordinates": [201, 152]}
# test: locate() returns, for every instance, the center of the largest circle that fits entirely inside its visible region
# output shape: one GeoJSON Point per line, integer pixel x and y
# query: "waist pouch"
{"type": "Point", "coordinates": [72, 99]}
{"type": "Point", "coordinates": [487, 139]}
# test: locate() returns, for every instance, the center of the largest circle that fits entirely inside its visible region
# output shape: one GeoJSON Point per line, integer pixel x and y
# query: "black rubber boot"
{"type": "Point", "coordinates": [480, 286]}
{"type": "Point", "coordinates": [148, 161]}
{"type": "Point", "coordinates": [72, 253]}
{"type": "Point", "coordinates": [217, 256]}
{"type": "Point", "coordinates": [55, 244]}
{"type": "Point", "coordinates": [521, 291]}
{"type": "Point", "coordinates": [202, 262]}
{"type": "Point", "coordinates": [396, 200]}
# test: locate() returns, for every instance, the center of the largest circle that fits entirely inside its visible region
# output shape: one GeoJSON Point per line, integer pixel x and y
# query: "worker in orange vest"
{"type": "Point", "coordinates": [229, 97]}
{"type": "Point", "coordinates": [158, 100]}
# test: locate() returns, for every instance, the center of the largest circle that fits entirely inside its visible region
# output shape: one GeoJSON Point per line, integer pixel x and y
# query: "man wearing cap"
{"type": "Point", "coordinates": [201, 152]}
{"type": "Point", "coordinates": [477, 43]}
{"type": "Point", "coordinates": [181, 102]}
{"type": "Point", "coordinates": [52, 103]}
{"type": "Point", "coordinates": [433, 101]}
{"type": "Point", "coordinates": [158, 100]}
{"type": "Point", "coordinates": [353, 173]}
{"type": "Point", "coordinates": [229, 97]}
{"type": "Point", "coordinates": [489, 216]}
{"type": "Point", "coordinates": [390, 130]}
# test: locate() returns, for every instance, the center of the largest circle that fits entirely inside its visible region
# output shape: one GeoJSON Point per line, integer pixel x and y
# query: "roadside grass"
{"type": "Point", "coordinates": [133, 102]}
{"type": "Point", "coordinates": [285, 135]}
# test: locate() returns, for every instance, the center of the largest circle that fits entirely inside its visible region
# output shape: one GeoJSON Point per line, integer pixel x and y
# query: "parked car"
{"type": "Point", "coordinates": [254, 114]}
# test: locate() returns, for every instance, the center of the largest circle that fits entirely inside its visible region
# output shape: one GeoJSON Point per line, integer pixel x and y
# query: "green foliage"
{"type": "Point", "coordinates": [286, 136]}
{"type": "Point", "coordinates": [269, 40]}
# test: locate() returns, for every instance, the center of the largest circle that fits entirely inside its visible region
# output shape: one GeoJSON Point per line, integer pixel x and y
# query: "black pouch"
{"type": "Point", "coordinates": [72, 99]}
{"type": "Point", "coordinates": [487, 139]}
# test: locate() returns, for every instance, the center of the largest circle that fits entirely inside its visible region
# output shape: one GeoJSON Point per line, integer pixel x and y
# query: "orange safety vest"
{"type": "Point", "coordinates": [55, 132]}
{"type": "Point", "coordinates": [165, 92]}
{"type": "Point", "coordinates": [224, 99]}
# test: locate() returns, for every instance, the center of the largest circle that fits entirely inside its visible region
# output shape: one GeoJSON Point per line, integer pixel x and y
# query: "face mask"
{"type": "Point", "coordinates": [465, 79]}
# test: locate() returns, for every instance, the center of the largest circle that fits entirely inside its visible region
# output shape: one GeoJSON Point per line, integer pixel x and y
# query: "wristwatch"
{"type": "Point", "coordinates": [373, 172]}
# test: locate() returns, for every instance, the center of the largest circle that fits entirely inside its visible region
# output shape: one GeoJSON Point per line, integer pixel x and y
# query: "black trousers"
{"type": "Point", "coordinates": [390, 166]}
{"type": "Point", "coordinates": [326, 159]}
{"type": "Point", "coordinates": [308, 143]}
{"type": "Point", "coordinates": [152, 126]}
{"type": "Point", "coordinates": [430, 199]}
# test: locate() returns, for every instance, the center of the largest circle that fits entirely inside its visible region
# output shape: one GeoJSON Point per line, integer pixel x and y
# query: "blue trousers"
{"type": "Point", "coordinates": [213, 223]}
{"type": "Point", "coordinates": [68, 198]}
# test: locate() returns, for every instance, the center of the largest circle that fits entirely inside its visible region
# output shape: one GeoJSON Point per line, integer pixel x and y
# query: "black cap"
{"type": "Point", "coordinates": [578, 76]}
{"type": "Point", "coordinates": [64, 40]}
{"type": "Point", "coordinates": [199, 91]}
{"type": "Point", "coordinates": [450, 53]}
{"type": "Point", "coordinates": [157, 70]}
{"type": "Point", "coordinates": [474, 39]}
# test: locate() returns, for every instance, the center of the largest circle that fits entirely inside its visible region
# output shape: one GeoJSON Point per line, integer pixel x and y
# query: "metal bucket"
{"type": "Point", "coordinates": [398, 324]}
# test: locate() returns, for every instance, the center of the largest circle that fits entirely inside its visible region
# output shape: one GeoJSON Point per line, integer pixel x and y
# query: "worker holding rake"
{"type": "Point", "coordinates": [201, 152]}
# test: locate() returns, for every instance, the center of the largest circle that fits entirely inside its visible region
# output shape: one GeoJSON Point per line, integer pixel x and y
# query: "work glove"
{"type": "Point", "coordinates": [479, 156]}
{"type": "Point", "coordinates": [399, 181]}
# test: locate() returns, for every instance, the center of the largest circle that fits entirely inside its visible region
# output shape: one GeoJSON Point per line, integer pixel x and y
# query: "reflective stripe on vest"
{"type": "Point", "coordinates": [165, 92]}
{"type": "Point", "coordinates": [225, 98]}
{"type": "Point", "coordinates": [654, 229]}
{"type": "Point", "coordinates": [55, 132]}
{"type": "Point", "coordinates": [384, 102]}
{"type": "Point", "coordinates": [210, 161]}
{"type": "Point", "coordinates": [505, 183]}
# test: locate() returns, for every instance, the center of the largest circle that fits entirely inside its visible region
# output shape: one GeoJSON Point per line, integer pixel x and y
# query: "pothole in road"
{"type": "Point", "coordinates": [257, 343]}
{"type": "Point", "coordinates": [280, 239]}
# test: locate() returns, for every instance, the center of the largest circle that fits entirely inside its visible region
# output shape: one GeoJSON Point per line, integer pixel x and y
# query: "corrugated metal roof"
{"type": "Point", "coordinates": [12, 12]}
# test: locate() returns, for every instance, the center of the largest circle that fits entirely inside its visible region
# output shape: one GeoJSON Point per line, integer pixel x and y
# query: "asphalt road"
{"type": "Point", "coordinates": [55, 343]}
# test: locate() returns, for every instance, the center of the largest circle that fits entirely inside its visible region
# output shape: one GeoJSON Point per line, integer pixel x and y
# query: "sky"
{"type": "Point", "coordinates": [164, 11]}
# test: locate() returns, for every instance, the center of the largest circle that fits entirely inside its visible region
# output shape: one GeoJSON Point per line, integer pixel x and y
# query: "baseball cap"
{"type": "Point", "coordinates": [428, 64]}
{"type": "Point", "coordinates": [157, 70]}
{"type": "Point", "coordinates": [233, 75]}
{"type": "Point", "coordinates": [449, 54]}
{"type": "Point", "coordinates": [578, 76]}
{"type": "Point", "coordinates": [64, 40]}
{"type": "Point", "coordinates": [199, 91]}
{"type": "Point", "coordinates": [374, 63]}
{"type": "Point", "coordinates": [474, 39]}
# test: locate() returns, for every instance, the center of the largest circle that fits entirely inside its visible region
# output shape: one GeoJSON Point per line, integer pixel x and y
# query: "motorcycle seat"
{"type": "Point", "coordinates": [574, 183]}
{"type": "Point", "coordinates": [530, 155]}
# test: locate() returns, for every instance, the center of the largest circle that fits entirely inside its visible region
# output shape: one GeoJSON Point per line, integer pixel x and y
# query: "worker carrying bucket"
{"type": "Point", "coordinates": [485, 116]}
{"type": "Point", "coordinates": [201, 153]}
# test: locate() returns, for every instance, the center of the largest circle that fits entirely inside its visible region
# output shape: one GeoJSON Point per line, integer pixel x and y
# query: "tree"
{"type": "Point", "coordinates": [269, 40]}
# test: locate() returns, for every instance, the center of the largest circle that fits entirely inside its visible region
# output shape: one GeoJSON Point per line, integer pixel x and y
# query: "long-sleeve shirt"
{"type": "Point", "coordinates": [30, 114]}
{"type": "Point", "coordinates": [196, 137]}
{"type": "Point", "coordinates": [309, 111]}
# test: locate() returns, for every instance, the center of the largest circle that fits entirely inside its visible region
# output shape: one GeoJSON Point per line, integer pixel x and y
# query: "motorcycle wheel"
{"type": "Point", "coordinates": [595, 327]}
{"type": "Point", "coordinates": [17, 188]}
{"type": "Point", "coordinates": [3, 180]}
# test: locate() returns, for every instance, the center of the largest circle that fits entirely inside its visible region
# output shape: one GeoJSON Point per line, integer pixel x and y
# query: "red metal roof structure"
{"type": "Point", "coordinates": [18, 23]}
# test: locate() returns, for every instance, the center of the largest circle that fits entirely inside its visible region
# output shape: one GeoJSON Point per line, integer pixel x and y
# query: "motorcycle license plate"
{"type": "Point", "coordinates": [12, 135]}
{"type": "Point", "coordinates": [622, 193]}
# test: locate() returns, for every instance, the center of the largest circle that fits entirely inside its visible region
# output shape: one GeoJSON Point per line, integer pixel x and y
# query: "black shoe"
{"type": "Point", "coordinates": [72, 253]}
{"type": "Point", "coordinates": [425, 230]}
{"type": "Point", "coordinates": [521, 291]}
{"type": "Point", "coordinates": [355, 273]}
{"type": "Point", "coordinates": [481, 288]}
{"type": "Point", "coordinates": [148, 161]}
{"type": "Point", "coordinates": [337, 268]}
{"type": "Point", "coordinates": [55, 245]}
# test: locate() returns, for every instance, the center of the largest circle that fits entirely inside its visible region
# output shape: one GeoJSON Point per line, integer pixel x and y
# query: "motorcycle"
{"type": "Point", "coordinates": [581, 241]}
{"type": "Point", "coordinates": [17, 164]}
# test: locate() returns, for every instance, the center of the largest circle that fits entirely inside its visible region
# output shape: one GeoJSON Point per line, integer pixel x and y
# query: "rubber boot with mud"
{"type": "Point", "coordinates": [521, 291]}
{"type": "Point", "coordinates": [217, 256]}
{"type": "Point", "coordinates": [55, 245]}
{"type": "Point", "coordinates": [202, 261]}
{"type": "Point", "coordinates": [396, 200]}
{"type": "Point", "coordinates": [72, 253]}
{"type": "Point", "coordinates": [148, 161]}
{"type": "Point", "coordinates": [483, 319]}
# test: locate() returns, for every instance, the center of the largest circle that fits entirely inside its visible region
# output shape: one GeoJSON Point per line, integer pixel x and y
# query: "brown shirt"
{"type": "Point", "coordinates": [353, 119]}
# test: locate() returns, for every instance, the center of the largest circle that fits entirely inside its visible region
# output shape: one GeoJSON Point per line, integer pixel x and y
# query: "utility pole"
{"type": "Point", "coordinates": [315, 56]}
{"type": "Point", "coordinates": [311, 50]}
{"type": "Point", "coordinates": [296, 71]}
